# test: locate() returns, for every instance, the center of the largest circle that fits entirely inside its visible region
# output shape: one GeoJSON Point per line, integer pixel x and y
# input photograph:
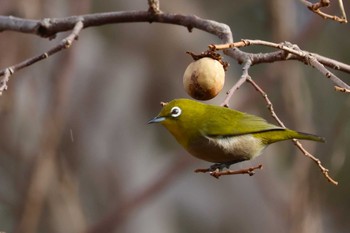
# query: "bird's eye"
{"type": "Point", "coordinates": [175, 111]}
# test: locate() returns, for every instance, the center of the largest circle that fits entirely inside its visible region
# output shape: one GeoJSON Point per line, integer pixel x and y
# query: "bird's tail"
{"type": "Point", "coordinates": [307, 136]}
{"type": "Point", "coordinates": [280, 134]}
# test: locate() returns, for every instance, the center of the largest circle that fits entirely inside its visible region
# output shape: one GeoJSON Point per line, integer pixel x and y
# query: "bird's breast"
{"type": "Point", "coordinates": [226, 149]}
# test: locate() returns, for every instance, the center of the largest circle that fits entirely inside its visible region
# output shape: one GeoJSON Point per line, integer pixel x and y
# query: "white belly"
{"type": "Point", "coordinates": [227, 149]}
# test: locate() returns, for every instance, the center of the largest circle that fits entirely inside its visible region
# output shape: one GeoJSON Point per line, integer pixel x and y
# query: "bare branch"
{"type": "Point", "coordinates": [316, 8]}
{"type": "Point", "coordinates": [316, 160]}
{"type": "Point", "coordinates": [305, 56]}
{"type": "Point", "coordinates": [50, 27]}
{"type": "Point", "coordinates": [341, 6]}
{"type": "Point", "coordinates": [296, 142]}
{"type": "Point", "coordinates": [267, 100]}
{"type": "Point", "coordinates": [315, 63]}
{"type": "Point", "coordinates": [64, 44]}
{"type": "Point", "coordinates": [238, 84]}
{"type": "Point", "coordinates": [217, 173]}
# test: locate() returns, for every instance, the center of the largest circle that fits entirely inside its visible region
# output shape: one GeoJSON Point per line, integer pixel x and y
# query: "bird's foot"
{"type": "Point", "coordinates": [216, 170]}
{"type": "Point", "coordinates": [217, 167]}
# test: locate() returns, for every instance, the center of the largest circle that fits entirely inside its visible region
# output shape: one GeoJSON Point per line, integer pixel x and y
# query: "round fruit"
{"type": "Point", "coordinates": [204, 78]}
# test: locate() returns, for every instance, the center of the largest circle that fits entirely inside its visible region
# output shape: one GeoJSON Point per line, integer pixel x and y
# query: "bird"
{"type": "Point", "coordinates": [221, 135]}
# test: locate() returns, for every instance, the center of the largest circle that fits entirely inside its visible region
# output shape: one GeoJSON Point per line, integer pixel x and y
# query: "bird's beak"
{"type": "Point", "coordinates": [157, 119]}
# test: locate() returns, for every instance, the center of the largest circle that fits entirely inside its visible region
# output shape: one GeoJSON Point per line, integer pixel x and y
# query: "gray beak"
{"type": "Point", "coordinates": [157, 119]}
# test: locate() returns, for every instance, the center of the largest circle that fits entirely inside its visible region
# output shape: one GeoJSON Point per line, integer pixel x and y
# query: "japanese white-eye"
{"type": "Point", "coordinates": [221, 135]}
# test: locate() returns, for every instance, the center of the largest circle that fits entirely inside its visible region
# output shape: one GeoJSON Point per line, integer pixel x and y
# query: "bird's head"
{"type": "Point", "coordinates": [180, 117]}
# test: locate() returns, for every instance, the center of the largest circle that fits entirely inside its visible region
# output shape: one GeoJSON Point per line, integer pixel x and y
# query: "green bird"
{"type": "Point", "coordinates": [221, 135]}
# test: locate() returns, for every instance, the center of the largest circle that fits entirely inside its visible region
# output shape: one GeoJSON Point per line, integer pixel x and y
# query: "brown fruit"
{"type": "Point", "coordinates": [204, 78]}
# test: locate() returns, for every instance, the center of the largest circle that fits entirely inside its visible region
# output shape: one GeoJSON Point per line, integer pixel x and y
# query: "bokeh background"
{"type": "Point", "coordinates": [76, 154]}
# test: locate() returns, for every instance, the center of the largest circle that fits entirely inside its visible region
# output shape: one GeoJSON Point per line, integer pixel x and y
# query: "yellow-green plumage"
{"type": "Point", "coordinates": [221, 135]}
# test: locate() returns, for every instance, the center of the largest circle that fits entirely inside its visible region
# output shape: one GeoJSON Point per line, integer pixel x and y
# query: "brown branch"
{"type": "Point", "coordinates": [51, 26]}
{"type": "Point", "coordinates": [318, 65]}
{"type": "Point", "coordinates": [296, 142]}
{"type": "Point", "coordinates": [64, 44]}
{"type": "Point", "coordinates": [293, 52]}
{"type": "Point", "coordinates": [342, 9]}
{"type": "Point", "coordinates": [316, 8]}
{"type": "Point", "coordinates": [267, 100]}
{"type": "Point", "coordinates": [217, 173]}
{"type": "Point", "coordinates": [324, 170]}
{"type": "Point", "coordinates": [238, 84]}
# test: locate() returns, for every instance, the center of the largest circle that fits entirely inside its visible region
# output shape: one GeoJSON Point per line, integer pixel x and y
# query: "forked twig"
{"type": "Point", "coordinates": [316, 8]}
{"type": "Point", "coordinates": [217, 173]}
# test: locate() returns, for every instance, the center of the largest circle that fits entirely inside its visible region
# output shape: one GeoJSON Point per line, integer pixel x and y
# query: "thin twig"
{"type": "Point", "coordinates": [296, 142]}
{"type": "Point", "coordinates": [217, 173]}
{"type": "Point", "coordinates": [342, 9]}
{"type": "Point", "coordinates": [64, 44]}
{"type": "Point", "coordinates": [324, 170]}
{"type": "Point", "coordinates": [238, 84]}
{"type": "Point", "coordinates": [267, 100]}
{"type": "Point", "coordinates": [316, 8]}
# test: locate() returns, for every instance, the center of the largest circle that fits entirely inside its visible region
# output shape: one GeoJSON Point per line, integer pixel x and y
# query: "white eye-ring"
{"type": "Point", "coordinates": [175, 111]}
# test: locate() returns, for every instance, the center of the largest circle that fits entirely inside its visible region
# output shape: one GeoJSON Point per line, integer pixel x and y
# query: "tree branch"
{"type": "Point", "coordinates": [238, 84]}
{"type": "Point", "coordinates": [316, 8]}
{"type": "Point", "coordinates": [291, 52]}
{"type": "Point", "coordinates": [51, 26]}
{"type": "Point", "coordinates": [324, 170]}
{"type": "Point", "coordinates": [217, 173]}
{"type": "Point", "coordinates": [64, 44]}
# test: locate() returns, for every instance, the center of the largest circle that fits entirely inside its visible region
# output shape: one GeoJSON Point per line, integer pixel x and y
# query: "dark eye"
{"type": "Point", "coordinates": [175, 111]}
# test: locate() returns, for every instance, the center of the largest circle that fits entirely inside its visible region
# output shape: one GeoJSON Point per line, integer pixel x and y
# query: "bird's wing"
{"type": "Point", "coordinates": [232, 123]}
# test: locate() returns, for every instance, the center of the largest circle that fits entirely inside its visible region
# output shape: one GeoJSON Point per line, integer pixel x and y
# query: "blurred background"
{"type": "Point", "coordinates": [76, 154]}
